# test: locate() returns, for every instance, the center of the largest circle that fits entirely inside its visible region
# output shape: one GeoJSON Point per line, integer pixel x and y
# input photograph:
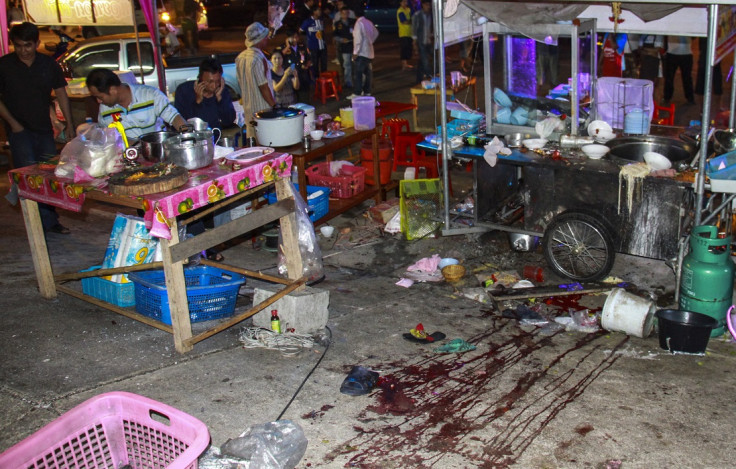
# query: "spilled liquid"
{"type": "Point", "coordinates": [478, 409]}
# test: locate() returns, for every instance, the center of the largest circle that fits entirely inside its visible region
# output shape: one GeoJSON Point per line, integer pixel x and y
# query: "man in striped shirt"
{"type": "Point", "coordinates": [140, 109]}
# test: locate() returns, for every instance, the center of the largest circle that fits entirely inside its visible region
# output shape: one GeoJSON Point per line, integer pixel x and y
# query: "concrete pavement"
{"type": "Point", "coordinates": [526, 397]}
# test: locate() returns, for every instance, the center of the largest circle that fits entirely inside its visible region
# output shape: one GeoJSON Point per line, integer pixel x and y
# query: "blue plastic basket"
{"type": "Point", "coordinates": [211, 293]}
{"type": "Point", "coordinates": [318, 207]}
{"type": "Point", "coordinates": [460, 127]}
{"type": "Point", "coordinates": [723, 166]}
{"type": "Point", "coordinates": [120, 294]}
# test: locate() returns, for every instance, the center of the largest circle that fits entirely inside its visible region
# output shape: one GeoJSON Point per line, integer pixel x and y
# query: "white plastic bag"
{"type": "Point", "coordinates": [97, 152]}
{"type": "Point", "coordinates": [312, 266]}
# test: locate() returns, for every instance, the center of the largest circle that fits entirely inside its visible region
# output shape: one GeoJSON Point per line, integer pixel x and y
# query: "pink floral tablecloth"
{"type": "Point", "coordinates": [205, 186]}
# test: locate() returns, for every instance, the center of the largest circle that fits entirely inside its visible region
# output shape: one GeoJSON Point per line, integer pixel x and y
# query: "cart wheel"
{"type": "Point", "coordinates": [579, 247]}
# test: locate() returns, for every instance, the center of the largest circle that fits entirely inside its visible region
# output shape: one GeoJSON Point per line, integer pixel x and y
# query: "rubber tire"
{"type": "Point", "coordinates": [598, 236]}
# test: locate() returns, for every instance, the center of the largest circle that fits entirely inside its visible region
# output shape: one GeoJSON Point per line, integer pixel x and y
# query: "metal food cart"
{"type": "Point", "coordinates": [571, 205]}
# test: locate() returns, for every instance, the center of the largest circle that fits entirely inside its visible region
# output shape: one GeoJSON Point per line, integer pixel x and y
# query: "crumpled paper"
{"type": "Point", "coordinates": [493, 149]}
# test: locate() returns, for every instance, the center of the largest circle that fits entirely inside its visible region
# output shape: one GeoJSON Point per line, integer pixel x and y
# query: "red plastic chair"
{"type": "Point", "coordinates": [325, 88]}
{"type": "Point", "coordinates": [391, 128]}
{"type": "Point", "coordinates": [335, 76]}
{"type": "Point", "coordinates": [669, 120]}
{"type": "Point", "coordinates": [405, 149]}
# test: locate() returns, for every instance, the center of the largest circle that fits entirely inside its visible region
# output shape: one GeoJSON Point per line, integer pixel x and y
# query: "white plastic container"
{"type": "Point", "coordinates": [364, 112]}
{"type": "Point", "coordinates": [627, 313]}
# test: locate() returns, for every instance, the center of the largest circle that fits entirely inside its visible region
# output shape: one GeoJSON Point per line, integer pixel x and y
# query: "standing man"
{"type": "Point", "coordinates": [314, 27]}
{"type": "Point", "coordinates": [423, 35]}
{"type": "Point", "coordinates": [141, 109]}
{"type": "Point", "coordinates": [26, 81]}
{"type": "Point", "coordinates": [344, 39]}
{"type": "Point", "coordinates": [679, 55]}
{"type": "Point", "coordinates": [403, 17]}
{"type": "Point", "coordinates": [208, 98]}
{"type": "Point", "coordinates": [254, 74]}
{"type": "Point", "coordinates": [364, 35]}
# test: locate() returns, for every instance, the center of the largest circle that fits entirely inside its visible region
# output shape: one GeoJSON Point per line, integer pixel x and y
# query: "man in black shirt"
{"type": "Point", "coordinates": [26, 81]}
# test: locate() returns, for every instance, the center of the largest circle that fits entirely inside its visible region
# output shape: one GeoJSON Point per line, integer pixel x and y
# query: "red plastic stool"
{"type": "Point", "coordinates": [431, 163]}
{"type": "Point", "coordinates": [393, 127]}
{"type": "Point", "coordinates": [335, 75]}
{"type": "Point", "coordinates": [406, 141]}
{"type": "Point", "coordinates": [669, 120]}
{"type": "Point", "coordinates": [325, 88]}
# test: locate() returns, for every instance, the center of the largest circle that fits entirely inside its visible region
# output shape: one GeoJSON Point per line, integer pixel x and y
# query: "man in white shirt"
{"type": "Point", "coordinates": [364, 35]}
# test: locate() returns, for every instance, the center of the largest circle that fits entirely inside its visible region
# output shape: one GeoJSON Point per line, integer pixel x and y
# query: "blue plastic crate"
{"type": "Point", "coordinates": [120, 294]}
{"type": "Point", "coordinates": [318, 207]}
{"type": "Point", "coordinates": [211, 293]}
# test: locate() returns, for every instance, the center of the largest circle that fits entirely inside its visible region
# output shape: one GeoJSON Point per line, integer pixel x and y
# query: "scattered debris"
{"type": "Point", "coordinates": [455, 346]}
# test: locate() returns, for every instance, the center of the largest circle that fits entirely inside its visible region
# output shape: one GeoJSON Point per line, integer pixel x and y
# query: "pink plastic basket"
{"type": "Point", "coordinates": [348, 183]}
{"type": "Point", "coordinates": [110, 431]}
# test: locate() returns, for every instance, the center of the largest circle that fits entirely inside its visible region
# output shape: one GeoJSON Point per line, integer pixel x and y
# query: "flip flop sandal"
{"type": "Point", "coordinates": [215, 256]}
{"type": "Point", "coordinates": [433, 337]}
{"type": "Point", "coordinates": [359, 381]}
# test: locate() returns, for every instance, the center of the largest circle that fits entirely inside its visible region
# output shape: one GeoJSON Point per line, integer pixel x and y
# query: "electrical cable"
{"type": "Point", "coordinates": [327, 347]}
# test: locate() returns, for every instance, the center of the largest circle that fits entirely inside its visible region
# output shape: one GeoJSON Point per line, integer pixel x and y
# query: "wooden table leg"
{"type": "Point", "coordinates": [177, 289]}
{"type": "Point", "coordinates": [289, 234]}
{"type": "Point", "coordinates": [301, 175]}
{"type": "Point", "coordinates": [39, 250]}
{"type": "Point", "coordinates": [376, 168]}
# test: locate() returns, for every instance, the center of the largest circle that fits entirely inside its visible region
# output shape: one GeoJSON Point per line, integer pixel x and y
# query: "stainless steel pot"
{"type": "Point", "coordinates": [191, 150]}
{"type": "Point", "coordinates": [724, 141]}
{"type": "Point", "coordinates": [198, 124]}
{"type": "Point", "coordinates": [152, 145]}
{"type": "Point", "coordinates": [279, 127]}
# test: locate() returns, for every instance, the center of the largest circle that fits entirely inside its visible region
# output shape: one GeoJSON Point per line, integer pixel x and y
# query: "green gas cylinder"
{"type": "Point", "coordinates": [706, 285]}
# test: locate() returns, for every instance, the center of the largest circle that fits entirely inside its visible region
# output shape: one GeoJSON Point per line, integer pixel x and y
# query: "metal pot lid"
{"type": "Point", "coordinates": [188, 139]}
{"type": "Point", "coordinates": [279, 113]}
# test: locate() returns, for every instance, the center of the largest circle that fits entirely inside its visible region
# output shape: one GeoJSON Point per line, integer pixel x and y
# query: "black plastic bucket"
{"type": "Point", "coordinates": [684, 331]}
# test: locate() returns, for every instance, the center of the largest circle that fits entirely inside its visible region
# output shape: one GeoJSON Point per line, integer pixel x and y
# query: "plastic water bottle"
{"type": "Point", "coordinates": [275, 322]}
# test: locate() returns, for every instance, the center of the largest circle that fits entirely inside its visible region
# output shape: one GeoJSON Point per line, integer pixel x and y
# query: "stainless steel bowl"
{"type": "Point", "coordinates": [152, 145]}
{"type": "Point", "coordinates": [514, 140]}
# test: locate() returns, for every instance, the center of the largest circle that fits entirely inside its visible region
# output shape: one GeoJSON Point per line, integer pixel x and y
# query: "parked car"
{"type": "Point", "coordinates": [119, 52]}
{"type": "Point", "coordinates": [382, 13]}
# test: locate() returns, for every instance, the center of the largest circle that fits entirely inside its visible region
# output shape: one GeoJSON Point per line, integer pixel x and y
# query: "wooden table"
{"type": "Point", "coordinates": [392, 108]}
{"type": "Point", "coordinates": [37, 185]}
{"type": "Point", "coordinates": [451, 93]}
{"type": "Point", "coordinates": [325, 149]}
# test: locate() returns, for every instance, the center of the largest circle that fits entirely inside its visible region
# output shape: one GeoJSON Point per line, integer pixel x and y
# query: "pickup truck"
{"type": "Point", "coordinates": [119, 53]}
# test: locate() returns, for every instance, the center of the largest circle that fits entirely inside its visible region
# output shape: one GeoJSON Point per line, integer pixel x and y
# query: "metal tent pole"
{"type": "Point", "coordinates": [438, 10]}
{"type": "Point", "coordinates": [732, 104]}
{"type": "Point", "coordinates": [705, 120]}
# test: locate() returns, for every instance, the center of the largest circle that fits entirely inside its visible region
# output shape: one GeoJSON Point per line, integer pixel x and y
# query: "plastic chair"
{"type": "Point", "coordinates": [669, 120]}
{"type": "Point", "coordinates": [406, 141]}
{"type": "Point", "coordinates": [325, 88]}
{"type": "Point", "coordinates": [393, 127]}
{"type": "Point", "coordinates": [431, 163]}
{"type": "Point", "coordinates": [335, 75]}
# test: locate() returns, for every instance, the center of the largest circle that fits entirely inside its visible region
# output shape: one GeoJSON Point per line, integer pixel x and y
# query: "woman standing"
{"type": "Point", "coordinates": [285, 82]}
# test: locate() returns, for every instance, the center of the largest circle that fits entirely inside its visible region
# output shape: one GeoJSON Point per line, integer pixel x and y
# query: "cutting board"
{"type": "Point", "coordinates": [147, 180]}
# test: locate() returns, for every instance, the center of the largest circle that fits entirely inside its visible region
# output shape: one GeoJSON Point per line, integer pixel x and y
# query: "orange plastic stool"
{"type": "Point", "coordinates": [393, 127]}
{"type": "Point", "coordinates": [325, 88]}
{"type": "Point", "coordinates": [335, 75]}
{"type": "Point", "coordinates": [406, 141]}
{"type": "Point", "coordinates": [669, 120]}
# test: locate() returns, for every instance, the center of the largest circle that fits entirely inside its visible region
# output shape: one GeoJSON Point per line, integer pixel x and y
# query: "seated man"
{"type": "Point", "coordinates": [208, 98]}
{"type": "Point", "coordinates": [141, 109]}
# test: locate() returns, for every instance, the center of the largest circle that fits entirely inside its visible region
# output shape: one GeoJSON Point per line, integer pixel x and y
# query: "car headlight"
{"type": "Point", "coordinates": [165, 17]}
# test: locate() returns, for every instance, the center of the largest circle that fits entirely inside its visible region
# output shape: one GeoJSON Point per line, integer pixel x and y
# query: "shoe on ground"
{"type": "Point", "coordinates": [58, 229]}
{"type": "Point", "coordinates": [365, 94]}
{"type": "Point", "coordinates": [351, 96]}
{"type": "Point", "coordinates": [336, 61]}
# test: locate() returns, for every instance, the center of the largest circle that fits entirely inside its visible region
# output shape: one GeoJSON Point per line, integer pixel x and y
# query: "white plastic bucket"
{"type": "Point", "coordinates": [627, 313]}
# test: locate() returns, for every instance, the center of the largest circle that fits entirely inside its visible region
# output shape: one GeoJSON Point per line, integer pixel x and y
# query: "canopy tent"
{"type": "Point", "coordinates": [86, 13]}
